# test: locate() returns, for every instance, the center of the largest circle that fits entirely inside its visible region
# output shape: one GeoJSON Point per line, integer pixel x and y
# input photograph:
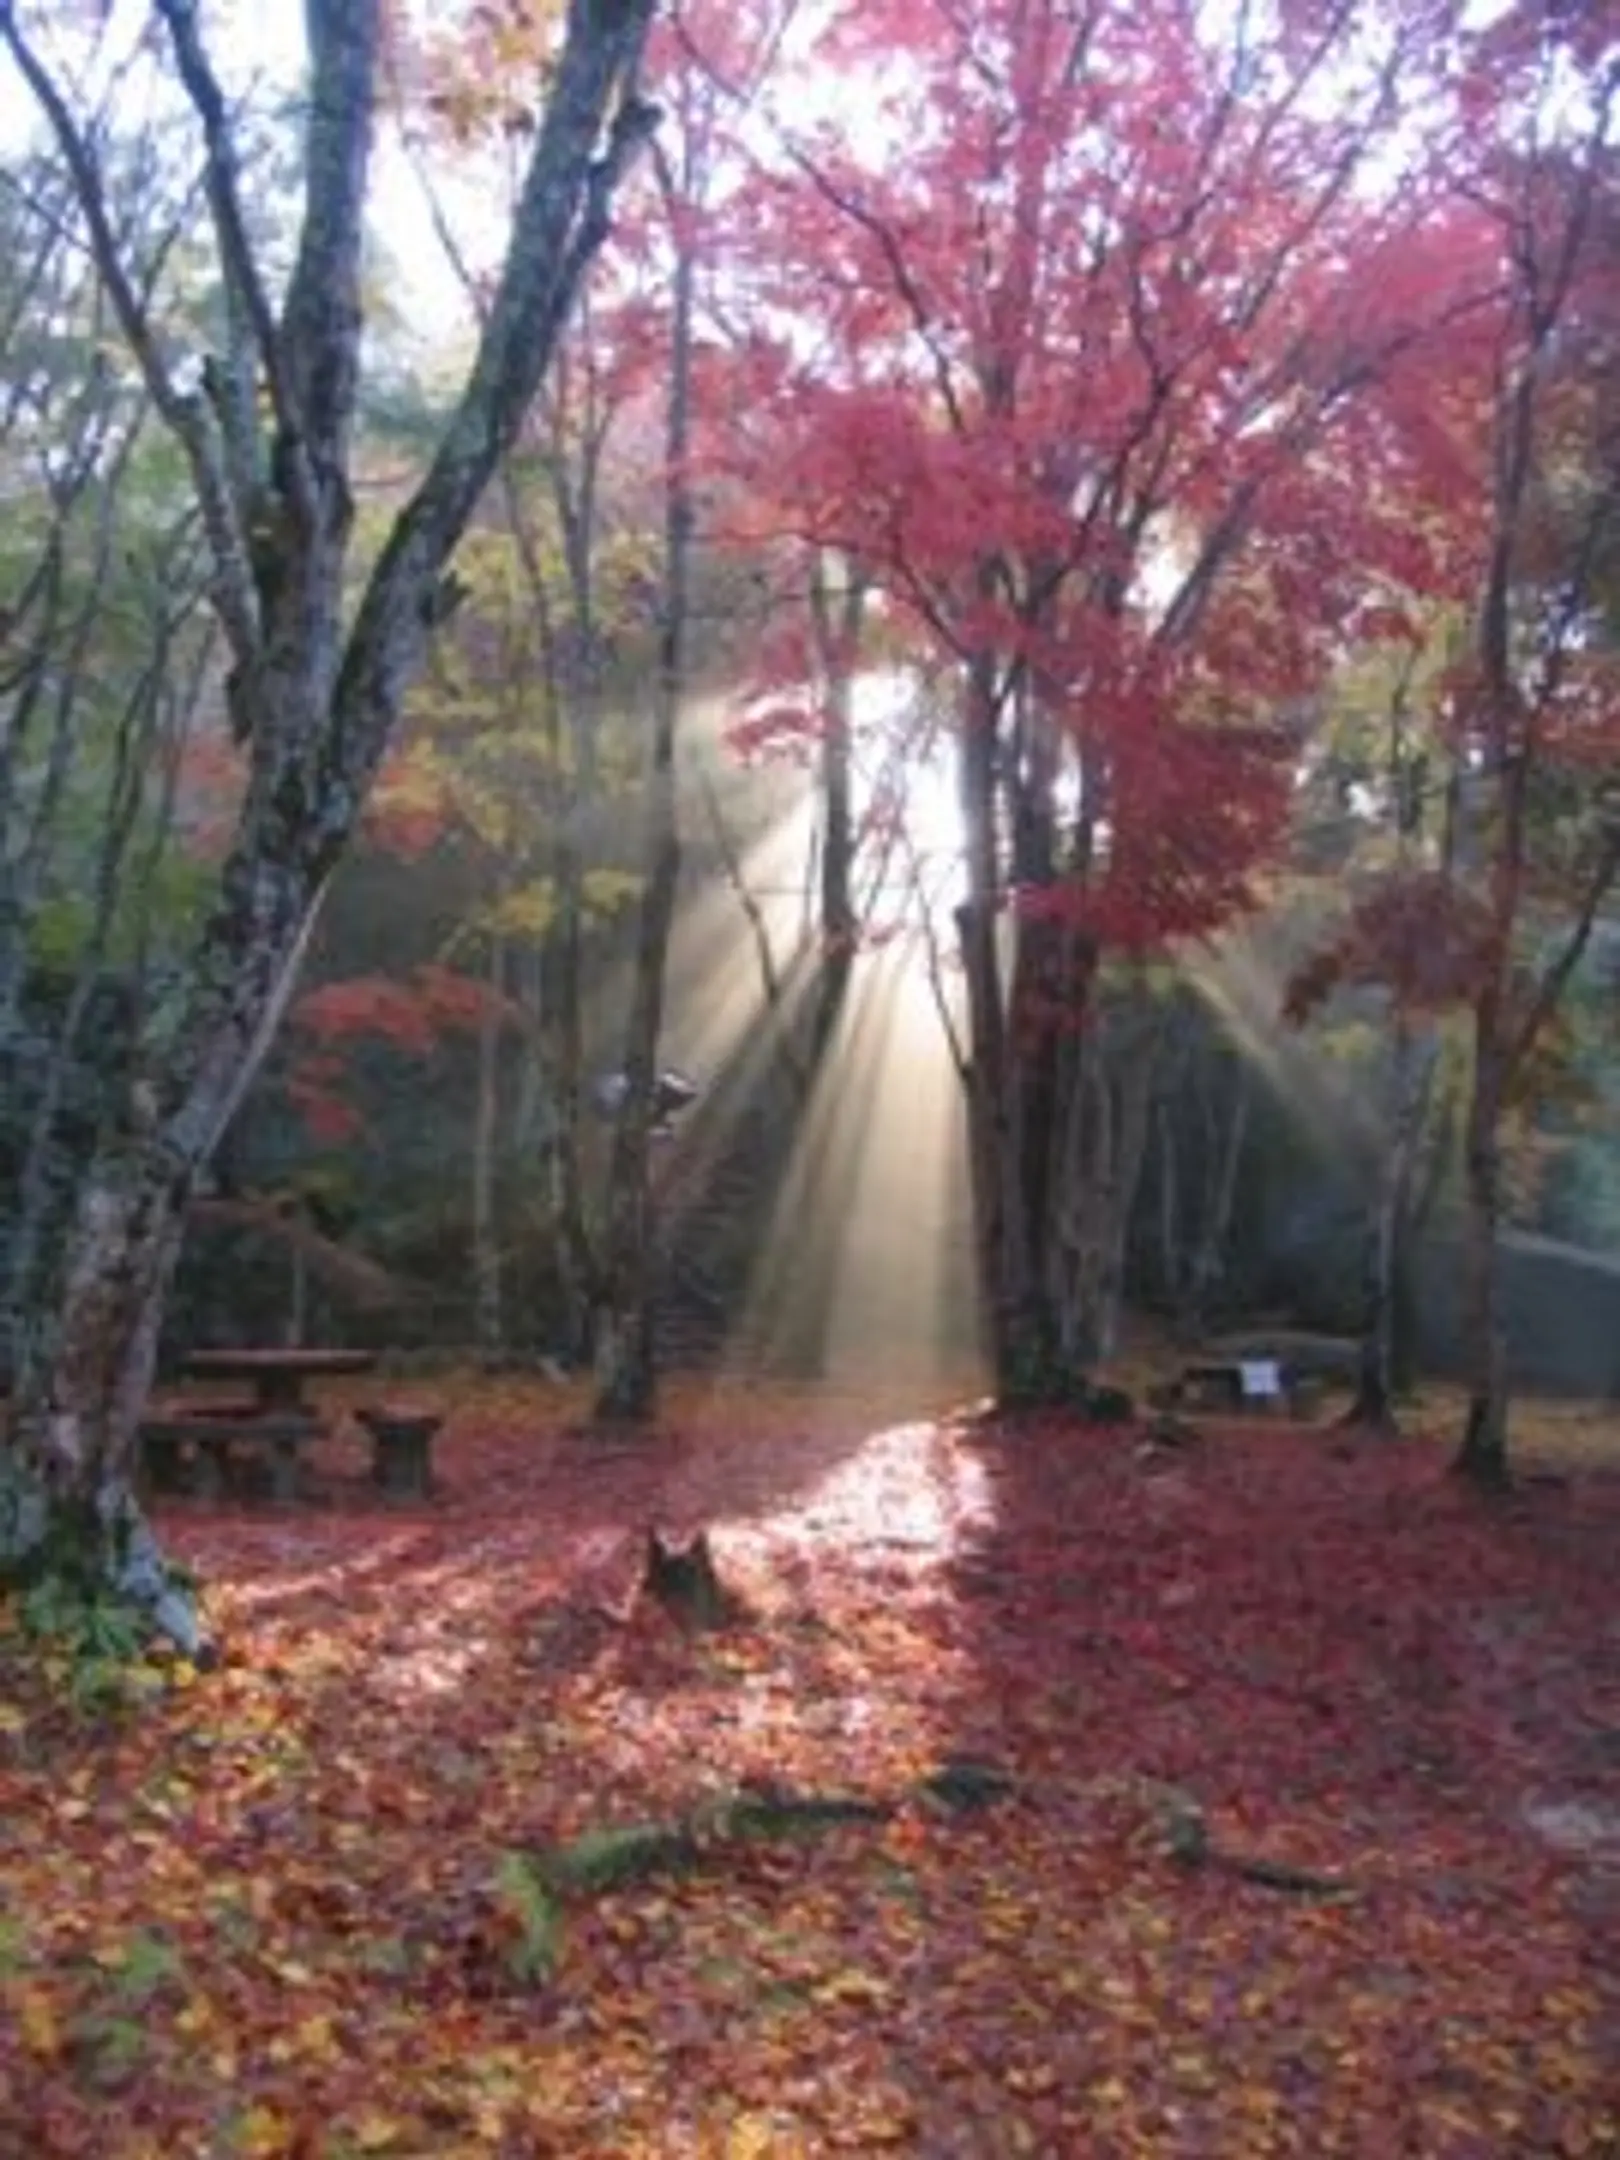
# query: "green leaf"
{"type": "Point", "coordinates": [606, 891]}
{"type": "Point", "coordinates": [526, 1898]}
{"type": "Point", "coordinates": [527, 912]}
{"type": "Point", "coordinates": [148, 1963]}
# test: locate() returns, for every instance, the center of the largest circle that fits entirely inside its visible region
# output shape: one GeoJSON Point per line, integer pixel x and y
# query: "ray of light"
{"type": "Point", "coordinates": [1245, 992]}
{"type": "Point", "coordinates": [867, 1263]}
{"type": "Point", "coordinates": [828, 1146]}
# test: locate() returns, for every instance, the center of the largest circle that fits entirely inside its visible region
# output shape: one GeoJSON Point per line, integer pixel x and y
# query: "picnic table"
{"type": "Point", "coordinates": [278, 1377]}
{"type": "Point", "coordinates": [276, 1420]}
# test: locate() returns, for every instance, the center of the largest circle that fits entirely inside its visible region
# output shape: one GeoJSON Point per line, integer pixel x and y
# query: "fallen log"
{"type": "Point", "coordinates": [1189, 1841]}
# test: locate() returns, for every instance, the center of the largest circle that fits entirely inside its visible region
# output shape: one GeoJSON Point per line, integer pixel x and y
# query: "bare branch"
{"type": "Point", "coordinates": [1554, 978]}
{"type": "Point", "coordinates": [561, 222]}
{"type": "Point", "coordinates": [237, 260]}
{"type": "Point", "coordinates": [184, 412]}
{"type": "Point", "coordinates": [736, 877]}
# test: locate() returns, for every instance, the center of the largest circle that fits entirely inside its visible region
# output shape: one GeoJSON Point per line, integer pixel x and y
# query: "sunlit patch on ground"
{"type": "Point", "coordinates": [908, 1488]}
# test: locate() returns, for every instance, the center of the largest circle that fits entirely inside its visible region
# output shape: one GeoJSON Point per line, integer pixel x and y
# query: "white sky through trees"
{"type": "Point", "coordinates": [258, 49]}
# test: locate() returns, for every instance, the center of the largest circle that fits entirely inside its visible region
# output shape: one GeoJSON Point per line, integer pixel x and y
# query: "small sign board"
{"type": "Point", "coordinates": [1261, 1379]}
{"type": "Point", "coordinates": [671, 1091]}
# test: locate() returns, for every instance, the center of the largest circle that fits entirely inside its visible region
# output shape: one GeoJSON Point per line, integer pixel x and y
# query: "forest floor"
{"type": "Point", "coordinates": [1309, 1840]}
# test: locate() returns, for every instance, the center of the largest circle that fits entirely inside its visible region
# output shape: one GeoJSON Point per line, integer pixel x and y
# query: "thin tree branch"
{"type": "Point", "coordinates": [186, 413]}
{"type": "Point", "coordinates": [731, 862]}
{"type": "Point", "coordinates": [237, 259]}
{"type": "Point", "coordinates": [1555, 977]}
{"type": "Point", "coordinates": [561, 222]}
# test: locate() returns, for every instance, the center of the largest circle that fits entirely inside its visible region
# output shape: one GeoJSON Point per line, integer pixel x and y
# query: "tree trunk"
{"type": "Point", "coordinates": [625, 1350]}
{"type": "Point", "coordinates": [1383, 1353]}
{"type": "Point", "coordinates": [1009, 1134]}
{"type": "Point", "coordinates": [565, 1034]}
{"type": "Point", "coordinates": [1372, 1408]}
{"type": "Point", "coordinates": [1220, 1199]}
{"type": "Point", "coordinates": [1133, 1125]}
{"type": "Point", "coordinates": [1483, 1458]}
{"type": "Point", "coordinates": [1020, 1323]}
{"type": "Point", "coordinates": [1172, 1257]}
{"type": "Point", "coordinates": [488, 1318]}
{"type": "Point", "coordinates": [836, 626]}
{"type": "Point", "coordinates": [1083, 1191]}
{"type": "Point", "coordinates": [1387, 1234]}
{"type": "Point", "coordinates": [1109, 1117]}
{"type": "Point", "coordinates": [87, 1367]}
{"type": "Point", "coordinates": [623, 1343]}
{"type": "Point", "coordinates": [1405, 1316]}
{"type": "Point", "coordinates": [573, 715]}
{"type": "Point", "coordinates": [835, 621]}
{"type": "Point", "coordinates": [69, 1502]}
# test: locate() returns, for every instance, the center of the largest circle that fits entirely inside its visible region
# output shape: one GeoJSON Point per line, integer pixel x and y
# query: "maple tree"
{"type": "Point", "coordinates": [266, 435]}
{"type": "Point", "coordinates": [1080, 395]}
{"type": "Point", "coordinates": [1381, 739]}
{"type": "Point", "coordinates": [1498, 921]}
{"type": "Point", "coordinates": [854, 1774]}
{"type": "Point", "coordinates": [1543, 711]}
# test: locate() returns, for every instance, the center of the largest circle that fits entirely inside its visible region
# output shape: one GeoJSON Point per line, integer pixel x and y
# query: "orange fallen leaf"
{"type": "Point", "coordinates": [36, 2018]}
{"type": "Point", "coordinates": [376, 2132]}
{"type": "Point", "coordinates": [752, 2137]}
{"type": "Point", "coordinates": [852, 1986]}
{"type": "Point", "coordinates": [260, 2133]}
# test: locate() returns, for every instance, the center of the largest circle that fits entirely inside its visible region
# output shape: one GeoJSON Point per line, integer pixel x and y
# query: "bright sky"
{"type": "Point", "coordinates": [261, 42]}
{"type": "Point", "coordinates": [428, 294]}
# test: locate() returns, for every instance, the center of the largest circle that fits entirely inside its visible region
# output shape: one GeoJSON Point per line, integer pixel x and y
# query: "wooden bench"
{"type": "Point", "coordinates": [402, 1439]}
{"type": "Point", "coordinates": [210, 1436]}
{"type": "Point", "coordinates": [227, 1409]}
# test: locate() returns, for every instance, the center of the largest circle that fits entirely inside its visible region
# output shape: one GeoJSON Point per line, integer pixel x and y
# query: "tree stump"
{"type": "Point", "coordinates": [682, 1579]}
{"type": "Point", "coordinates": [402, 1449]}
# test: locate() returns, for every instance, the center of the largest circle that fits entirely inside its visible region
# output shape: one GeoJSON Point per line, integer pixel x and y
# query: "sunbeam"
{"type": "Point", "coordinates": [831, 1112]}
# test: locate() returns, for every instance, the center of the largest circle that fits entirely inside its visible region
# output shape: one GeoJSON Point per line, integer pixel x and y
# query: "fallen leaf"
{"type": "Point", "coordinates": [37, 2020]}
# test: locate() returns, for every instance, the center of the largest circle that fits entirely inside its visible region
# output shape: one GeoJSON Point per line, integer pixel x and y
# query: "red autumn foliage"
{"type": "Point", "coordinates": [1507, 450]}
{"type": "Point", "coordinates": [1077, 380]}
{"type": "Point", "coordinates": [315, 1087]}
{"type": "Point", "coordinates": [1418, 934]}
{"type": "Point", "coordinates": [787, 732]}
{"type": "Point", "coordinates": [412, 1014]}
